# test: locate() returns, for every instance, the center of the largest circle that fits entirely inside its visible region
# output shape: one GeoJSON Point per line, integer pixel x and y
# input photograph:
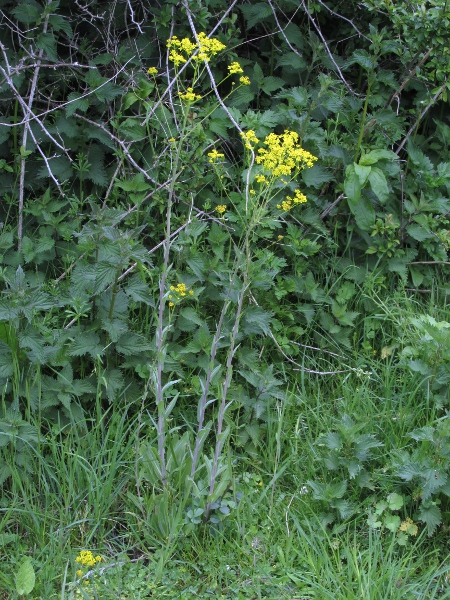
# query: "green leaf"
{"type": "Point", "coordinates": [316, 176]}
{"type": "Point", "coordinates": [379, 184]}
{"type": "Point", "coordinates": [255, 13]}
{"type": "Point", "coordinates": [86, 342]}
{"type": "Point", "coordinates": [430, 514]}
{"type": "Point", "coordinates": [47, 43]}
{"type": "Point", "coordinates": [132, 343]}
{"type": "Point", "coordinates": [362, 172]}
{"type": "Point", "coordinates": [374, 156]}
{"type": "Point", "coordinates": [256, 320]}
{"type": "Point", "coordinates": [395, 501]}
{"type": "Point", "coordinates": [28, 12]}
{"type": "Point", "coordinates": [76, 103]}
{"type": "Point", "coordinates": [25, 578]}
{"type": "Point", "coordinates": [392, 522]}
{"type": "Point", "coordinates": [364, 213]}
{"type": "Point", "coordinates": [352, 185]}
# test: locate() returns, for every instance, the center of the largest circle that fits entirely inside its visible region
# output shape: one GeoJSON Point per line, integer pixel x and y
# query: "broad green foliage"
{"type": "Point", "coordinates": [207, 207]}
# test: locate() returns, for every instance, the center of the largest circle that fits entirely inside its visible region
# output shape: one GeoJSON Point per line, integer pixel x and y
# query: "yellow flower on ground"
{"type": "Point", "coordinates": [244, 80]}
{"type": "Point", "coordinates": [221, 208]}
{"type": "Point", "coordinates": [235, 67]}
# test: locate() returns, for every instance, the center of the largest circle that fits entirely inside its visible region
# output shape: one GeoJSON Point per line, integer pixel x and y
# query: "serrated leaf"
{"type": "Point", "coordinates": [25, 578]}
{"type": "Point", "coordinates": [115, 328]}
{"type": "Point", "coordinates": [86, 342]}
{"type": "Point", "coordinates": [256, 320]}
{"type": "Point", "coordinates": [255, 13]}
{"type": "Point", "coordinates": [430, 514]}
{"type": "Point", "coordinates": [47, 43]}
{"type": "Point", "coordinates": [316, 176]}
{"type": "Point", "coordinates": [132, 343]}
{"type": "Point", "coordinates": [76, 103]}
{"type": "Point", "coordinates": [139, 291]}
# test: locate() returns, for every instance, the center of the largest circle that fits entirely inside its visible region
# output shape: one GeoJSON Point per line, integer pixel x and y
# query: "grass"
{"type": "Point", "coordinates": [278, 539]}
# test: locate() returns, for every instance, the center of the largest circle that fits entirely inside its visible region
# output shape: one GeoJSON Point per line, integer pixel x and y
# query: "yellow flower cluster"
{"type": "Point", "coordinates": [214, 155]}
{"type": "Point", "coordinates": [182, 50]}
{"type": "Point", "coordinates": [221, 208]}
{"type": "Point", "coordinates": [249, 138]}
{"type": "Point", "coordinates": [152, 71]}
{"type": "Point", "coordinates": [87, 559]}
{"type": "Point", "coordinates": [244, 80]}
{"type": "Point", "coordinates": [189, 96]}
{"type": "Point", "coordinates": [298, 198]}
{"type": "Point", "coordinates": [179, 292]}
{"type": "Point", "coordinates": [284, 155]}
{"type": "Point", "coordinates": [408, 526]}
{"type": "Point", "coordinates": [235, 67]}
{"type": "Point", "coordinates": [262, 179]}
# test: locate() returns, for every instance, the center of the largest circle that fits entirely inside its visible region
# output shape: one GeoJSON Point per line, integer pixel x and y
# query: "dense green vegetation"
{"type": "Point", "coordinates": [224, 324]}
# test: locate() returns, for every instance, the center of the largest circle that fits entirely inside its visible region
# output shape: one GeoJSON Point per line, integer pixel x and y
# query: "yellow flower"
{"type": "Point", "coordinates": [284, 156]}
{"type": "Point", "coordinates": [252, 192]}
{"type": "Point", "coordinates": [172, 140]}
{"type": "Point", "coordinates": [191, 292]}
{"type": "Point", "coordinates": [79, 573]}
{"type": "Point", "coordinates": [281, 237]}
{"type": "Point", "coordinates": [221, 208]}
{"type": "Point", "coordinates": [214, 155]}
{"type": "Point", "coordinates": [152, 71]}
{"type": "Point", "coordinates": [244, 80]}
{"type": "Point", "coordinates": [235, 67]}
{"type": "Point", "coordinates": [171, 304]}
{"type": "Point", "coordinates": [298, 198]}
{"type": "Point", "coordinates": [189, 96]}
{"type": "Point", "coordinates": [180, 51]}
{"type": "Point", "coordinates": [249, 138]}
{"type": "Point", "coordinates": [261, 179]}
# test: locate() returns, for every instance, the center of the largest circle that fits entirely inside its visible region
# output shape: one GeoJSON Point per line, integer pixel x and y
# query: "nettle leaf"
{"type": "Point", "coordinates": [132, 343]}
{"type": "Point", "coordinates": [270, 84]}
{"type": "Point", "coordinates": [430, 514]}
{"type": "Point", "coordinates": [139, 291]}
{"type": "Point", "coordinates": [242, 97]}
{"type": "Point", "coordinates": [28, 12]}
{"type": "Point", "coordinates": [6, 361]}
{"type": "Point", "coordinates": [113, 382]}
{"type": "Point", "coordinates": [86, 342]}
{"type": "Point", "coordinates": [47, 43]}
{"type": "Point", "coordinates": [292, 61]}
{"type": "Point", "coordinates": [316, 176]}
{"type": "Point", "coordinates": [419, 159]}
{"type": "Point", "coordinates": [114, 328]}
{"type": "Point", "coordinates": [77, 103]}
{"type": "Point", "coordinates": [256, 320]}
